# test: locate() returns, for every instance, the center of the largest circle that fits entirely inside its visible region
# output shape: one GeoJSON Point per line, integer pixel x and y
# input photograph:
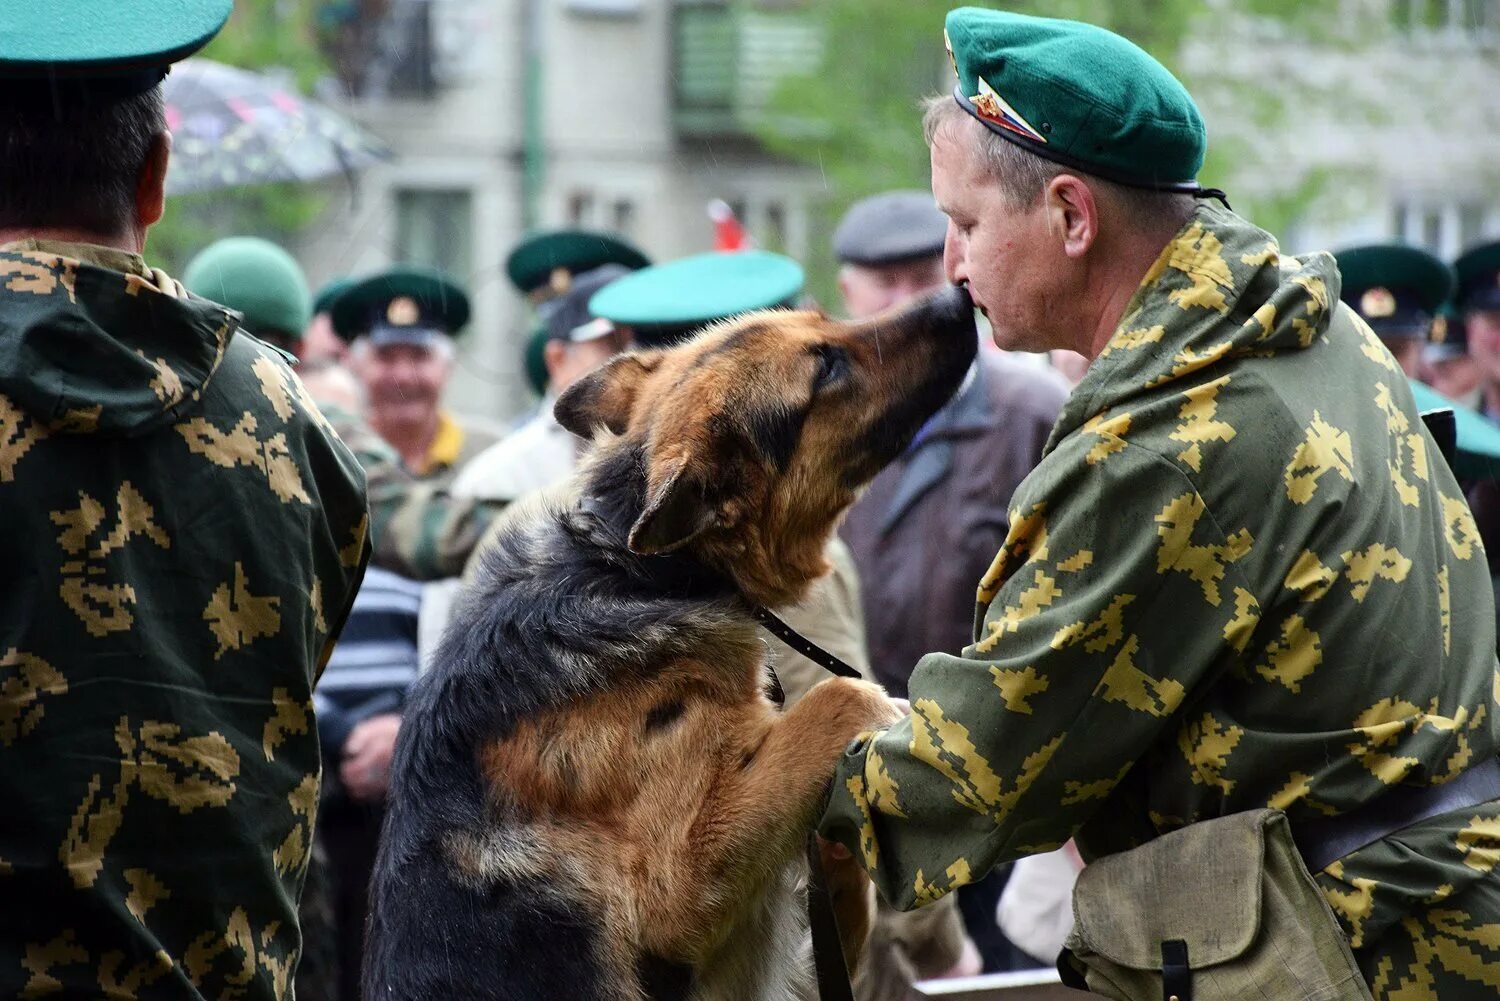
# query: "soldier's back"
{"type": "Point", "coordinates": [183, 537]}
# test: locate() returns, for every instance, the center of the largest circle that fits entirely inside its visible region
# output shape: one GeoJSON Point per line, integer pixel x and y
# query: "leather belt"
{"type": "Point", "coordinates": [1323, 841]}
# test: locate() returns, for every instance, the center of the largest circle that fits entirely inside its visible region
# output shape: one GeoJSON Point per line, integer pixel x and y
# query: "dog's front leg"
{"type": "Point", "coordinates": [765, 802]}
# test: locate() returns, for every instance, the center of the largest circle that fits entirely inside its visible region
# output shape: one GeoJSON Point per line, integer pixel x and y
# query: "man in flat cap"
{"type": "Point", "coordinates": [1240, 576]}
{"type": "Point", "coordinates": [184, 535]}
{"type": "Point", "coordinates": [925, 529]}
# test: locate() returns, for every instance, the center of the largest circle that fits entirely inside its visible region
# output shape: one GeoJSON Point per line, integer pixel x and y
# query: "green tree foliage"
{"type": "Point", "coordinates": [268, 35]}
{"type": "Point", "coordinates": [856, 114]}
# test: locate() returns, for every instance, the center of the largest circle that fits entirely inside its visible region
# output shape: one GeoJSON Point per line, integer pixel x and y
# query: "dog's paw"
{"type": "Point", "coordinates": [855, 705]}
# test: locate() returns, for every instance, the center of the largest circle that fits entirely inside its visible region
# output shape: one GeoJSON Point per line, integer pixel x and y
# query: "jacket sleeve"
{"type": "Point", "coordinates": [1114, 594]}
{"type": "Point", "coordinates": [417, 529]}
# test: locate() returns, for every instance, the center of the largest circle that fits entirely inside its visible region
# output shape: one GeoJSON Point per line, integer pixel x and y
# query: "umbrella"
{"type": "Point", "coordinates": [232, 127]}
{"type": "Point", "coordinates": [1478, 438]}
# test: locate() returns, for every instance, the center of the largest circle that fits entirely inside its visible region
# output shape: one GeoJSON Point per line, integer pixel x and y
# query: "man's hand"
{"type": "Point", "coordinates": [366, 768]}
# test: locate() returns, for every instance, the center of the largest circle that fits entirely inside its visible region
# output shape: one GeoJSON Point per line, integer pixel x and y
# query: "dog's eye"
{"type": "Point", "coordinates": [833, 364]}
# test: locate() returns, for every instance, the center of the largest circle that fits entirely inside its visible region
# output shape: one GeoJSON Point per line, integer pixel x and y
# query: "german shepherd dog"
{"type": "Point", "coordinates": [592, 796]}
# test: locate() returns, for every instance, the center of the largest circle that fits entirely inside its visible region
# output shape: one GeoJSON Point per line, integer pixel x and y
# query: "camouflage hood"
{"type": "Point", "coordinates": [1220, 292]}
{"type": "Point", "coordinates": [93, 341]}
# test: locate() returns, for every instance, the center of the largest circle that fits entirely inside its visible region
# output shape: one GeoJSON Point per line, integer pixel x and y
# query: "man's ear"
{"type": "Point", "coordinates": [151, 186]}
{"type": "Point", "coordinates": [603, 397]}
{"type": "Point", "coordinates": [676, 512]}
{"type": "Point", "coordinates": [1074, 213]}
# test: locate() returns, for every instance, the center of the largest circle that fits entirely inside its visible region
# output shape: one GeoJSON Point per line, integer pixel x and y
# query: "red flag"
{"type": "Point", "coordinates": [729, 234]}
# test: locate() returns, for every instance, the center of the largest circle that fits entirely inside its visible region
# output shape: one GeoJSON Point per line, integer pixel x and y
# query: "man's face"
{"type": "Point", "coordinates": [1484, 343]}
{"type": "Point", "coordinates": [404, 381]}
{"type": "Point", "coordinates": [568, 362]}
{"type": "Point", "coordinates": [1013, 267]}
{"type": "Point", "coordinates": [872, 288]}
{"type": "Point", "coordinates": [1455, 378]}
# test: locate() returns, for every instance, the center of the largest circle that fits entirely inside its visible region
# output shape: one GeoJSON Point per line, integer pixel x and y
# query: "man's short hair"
{"type": "Point", "coordinates": [74, 164]}
{"type": "Point", "coordinates": [1022, 175]}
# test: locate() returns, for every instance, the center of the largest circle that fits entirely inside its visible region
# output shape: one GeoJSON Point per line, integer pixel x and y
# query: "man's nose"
{"type": "Point", "coordinates": [955, 267]}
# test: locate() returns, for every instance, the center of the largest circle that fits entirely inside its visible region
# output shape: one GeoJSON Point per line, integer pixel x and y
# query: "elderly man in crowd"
{"type": "Point", "coordinates": [1240, 576]}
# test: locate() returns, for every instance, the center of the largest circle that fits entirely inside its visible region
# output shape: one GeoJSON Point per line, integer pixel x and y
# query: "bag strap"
{"type": "Point", "coordinates": [828, 951]}
{"type": "Point", "coordinates": [1176, 974]}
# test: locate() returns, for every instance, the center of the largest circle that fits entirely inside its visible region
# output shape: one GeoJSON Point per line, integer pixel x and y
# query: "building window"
{"type": "Point", "coordinates": [624, 217]}
{"type": "Point", "coordinates": [434, 228]}
{"type": "Point", "coordinates": [775, 235]}
{"type": "Point", "coordinates": [580, 209]}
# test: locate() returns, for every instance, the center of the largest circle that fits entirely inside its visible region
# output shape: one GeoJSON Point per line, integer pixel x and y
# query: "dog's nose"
{"type": "Point", "coordinates": [951, 309]}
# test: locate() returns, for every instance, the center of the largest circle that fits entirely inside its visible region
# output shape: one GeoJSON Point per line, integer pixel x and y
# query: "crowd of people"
{"type": "Point", "coordinates": [232, 471]}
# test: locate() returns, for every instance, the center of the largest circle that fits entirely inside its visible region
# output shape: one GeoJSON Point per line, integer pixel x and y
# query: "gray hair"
{"type": "Point", "coordinates": [1022, 175]}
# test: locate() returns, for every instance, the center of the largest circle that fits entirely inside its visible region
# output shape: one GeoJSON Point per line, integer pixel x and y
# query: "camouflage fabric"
{"type": "Point", "coordinates": [1240, 577]}
{"type": "Point", "coordinates": [184, 536]}
{"type": "Point", "coordinates": [418, 529]}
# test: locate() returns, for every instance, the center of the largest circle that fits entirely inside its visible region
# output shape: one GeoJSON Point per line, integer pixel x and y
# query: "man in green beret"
{"type": "Point", "coordinates": [1397, 290]}
{"type": "Point", "coordinates": [401, 324]}
{"type": "Point", "coordinates": [1240, 576]}
{"type": "Point", "coordinates": [320, 344]}
{"type": "Point", "coordinates": [184, 537]}
{"type": "Point", "coordinates": [542, 267]}
{"type": "Point", "coordinates": [260, 280]}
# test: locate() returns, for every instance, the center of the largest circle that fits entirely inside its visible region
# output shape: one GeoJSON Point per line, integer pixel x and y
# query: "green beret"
{"type": "Point", "coordinates": [666, 302]}
{"type": "Point", "coordinates": [1396, 289]}
{"type": "Point", "coordinates": [256, 278]}
{"type": "Point", "coordinates": [109, 47]}
{"type": "Point", "coordinates": [329, 293]}
{"type": "Point", "coordinates": [535, 358]}
{"type": "Point", "coordinates": [1078, 95]}
{"type": "Point", "coordinates": [401, 306]}
{"type": "Point", "coordinates": [543, 264]}
{"type": "Point", "coordinates": [1479, 277]}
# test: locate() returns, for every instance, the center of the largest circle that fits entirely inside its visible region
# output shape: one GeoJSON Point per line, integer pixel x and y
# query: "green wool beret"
{"type": "Point", "coordinates": [1478, 271]}
{"type": "Point", "coordinates": [1078, 95]}
{"type": "Point", "coordinates": [327, 295]}
{"type": "Point", "coordinates": [256, 278]}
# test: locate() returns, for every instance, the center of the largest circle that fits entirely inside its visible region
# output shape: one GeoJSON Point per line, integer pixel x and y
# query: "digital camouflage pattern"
{"type": "Point", "coordinates": [183, 537]}
{"type": "Point", "coordinates": [417, 527]}
{"type": "Point", "coordinates": [1242, 576]}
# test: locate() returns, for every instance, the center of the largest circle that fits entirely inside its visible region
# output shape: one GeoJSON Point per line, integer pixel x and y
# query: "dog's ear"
{"type": "Point", "coordinates": [677, 511]}
{"type": "Point", "coordinates": [605, 396]}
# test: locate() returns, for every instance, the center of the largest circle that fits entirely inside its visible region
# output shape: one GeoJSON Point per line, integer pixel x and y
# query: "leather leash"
{"type": "Point", "coordinates": [828, 950]}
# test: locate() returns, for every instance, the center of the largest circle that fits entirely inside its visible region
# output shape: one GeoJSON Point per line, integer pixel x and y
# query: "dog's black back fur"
{"type": "Point", "coordinates": [559, 607]}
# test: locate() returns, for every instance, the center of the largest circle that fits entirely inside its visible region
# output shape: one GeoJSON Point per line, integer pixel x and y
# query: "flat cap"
{"type": "Point", "coordinates": [667, 302]}
{"type": "Point", "coordinates": [1078, 95]}
{"type": "Point", "coordinates": [1478, 271]}
{"type": "Point", "coordinates": [401, 306]}
{"type": "Point", "coordinates": [103, 48]}
{"type": "Point", "coordinates": [1449, 337]}
{"type": "Point", "coordinates": [1395, 288]}
{"type": "Point", "coordinates": [889, 228]}
{"type": "Point", "coordinates": [257, 278]}
{"type": "Point", "coordinates": [543, 265]}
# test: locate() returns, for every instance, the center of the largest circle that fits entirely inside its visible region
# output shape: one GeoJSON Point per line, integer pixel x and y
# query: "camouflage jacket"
{"type": "Point", "coordinates": [417, 527]}
{"type": "Point", "coordinates": [183, 538]}
{"type": "Point", "coordinates": [1241, 576]}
